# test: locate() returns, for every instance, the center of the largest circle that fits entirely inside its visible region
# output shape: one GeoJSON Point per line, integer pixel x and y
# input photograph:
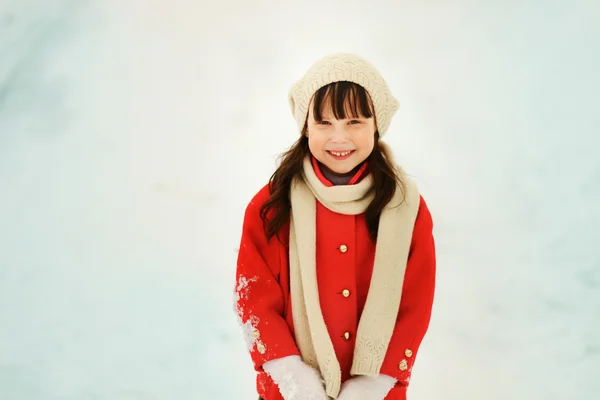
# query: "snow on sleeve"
{"type": "Point", "coordinates": [241, 293]}
{"type": "Point", "coordinates": [250, 325]}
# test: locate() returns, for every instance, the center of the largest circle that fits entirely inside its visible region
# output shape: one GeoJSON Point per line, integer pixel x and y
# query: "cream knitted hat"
{"type": "Point", "coordinates": [344, 67]}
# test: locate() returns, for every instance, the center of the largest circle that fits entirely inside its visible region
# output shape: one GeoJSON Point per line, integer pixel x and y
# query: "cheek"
{"type": "Point", "coordinates": [367, 141]}
{"type": "Point", "coordinates": [314, 140]}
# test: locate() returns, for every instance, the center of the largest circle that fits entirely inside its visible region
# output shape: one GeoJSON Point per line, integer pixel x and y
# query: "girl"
{"type": "Point", "coordinates": [336, 266]}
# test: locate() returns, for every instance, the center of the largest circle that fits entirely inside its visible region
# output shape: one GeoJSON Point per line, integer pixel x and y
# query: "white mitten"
{"type": "Point", "coordinates": [367, 388]}
{"type": "Point", "coordinates": [296, 380]}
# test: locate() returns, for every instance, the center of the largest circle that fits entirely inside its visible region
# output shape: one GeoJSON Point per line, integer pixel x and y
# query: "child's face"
{"type": "Point", "coordinates": [340, 144]}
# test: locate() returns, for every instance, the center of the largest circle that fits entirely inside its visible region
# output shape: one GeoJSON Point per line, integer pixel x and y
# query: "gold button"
{"type": "Point", "coordinates": [261, 348]}
{"type": "Point", "coordinates": [408, 353]}
{"type": "Point", "coordinates": [402, 365]}
{"type": "Point", "coordinates": [343, 248]}
{"type": "Point", "coordinates": [346, 293]}
{"type": "Point", "coordinates": [256, 334]}
{"type": "Point", "coordinates": [347, 335]}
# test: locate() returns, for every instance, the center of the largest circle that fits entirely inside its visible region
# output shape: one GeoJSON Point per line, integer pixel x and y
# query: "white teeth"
{"type": "Point", "coordinates": [340, 154]}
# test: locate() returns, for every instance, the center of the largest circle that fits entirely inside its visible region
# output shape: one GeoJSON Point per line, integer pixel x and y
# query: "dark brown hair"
{"type": "Point", "coordinates": [344, 98]}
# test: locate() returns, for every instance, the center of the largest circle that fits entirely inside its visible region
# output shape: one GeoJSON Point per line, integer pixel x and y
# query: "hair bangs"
{"type": "Point", "coordinates": [344, 99]}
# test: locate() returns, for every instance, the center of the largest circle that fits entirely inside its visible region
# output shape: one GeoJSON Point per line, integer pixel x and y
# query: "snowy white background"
{"type": "Point", "coordinates": [133, 134]}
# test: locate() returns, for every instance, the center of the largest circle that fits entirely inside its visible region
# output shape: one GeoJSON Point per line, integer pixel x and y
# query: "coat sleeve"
{"type": "Point", "coordinates": [259, 300]}
{"type": "Point", "coordinates": [416, 303]}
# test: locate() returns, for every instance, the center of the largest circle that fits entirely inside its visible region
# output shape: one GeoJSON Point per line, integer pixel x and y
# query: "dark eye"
{"type": "Point", "coordinates": [323, 122]}
{"type": "Point", "coordinates": [354, 121]}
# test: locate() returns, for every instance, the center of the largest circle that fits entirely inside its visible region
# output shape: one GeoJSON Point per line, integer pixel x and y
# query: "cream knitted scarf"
{"type": "Point", "coordinates": [383, 300]}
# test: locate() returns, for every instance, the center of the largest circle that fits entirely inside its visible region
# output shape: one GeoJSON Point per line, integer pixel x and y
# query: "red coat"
{"type": "Point", "coordinates": [344, 258]}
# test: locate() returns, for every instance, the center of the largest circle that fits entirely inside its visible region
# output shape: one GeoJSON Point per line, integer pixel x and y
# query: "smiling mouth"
{"type": "Point", "coordinates": [340, 153]}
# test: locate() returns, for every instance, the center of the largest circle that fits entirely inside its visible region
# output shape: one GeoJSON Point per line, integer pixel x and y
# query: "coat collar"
{"type": "Point", "coordinates": [357, 177]}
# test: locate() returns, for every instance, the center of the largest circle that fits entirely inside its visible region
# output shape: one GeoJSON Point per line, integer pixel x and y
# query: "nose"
{"type": "Point", "coordinates": [339, 134]}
